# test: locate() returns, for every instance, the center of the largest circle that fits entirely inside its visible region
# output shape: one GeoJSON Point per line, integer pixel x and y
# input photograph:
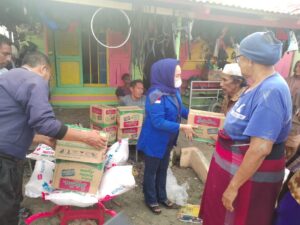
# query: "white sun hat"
{"type": "Point", "coordinates": [232, 69]}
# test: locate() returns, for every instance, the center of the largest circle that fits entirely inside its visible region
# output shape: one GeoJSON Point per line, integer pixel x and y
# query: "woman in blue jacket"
{"type": "Point", "coordinates": [163, 112]}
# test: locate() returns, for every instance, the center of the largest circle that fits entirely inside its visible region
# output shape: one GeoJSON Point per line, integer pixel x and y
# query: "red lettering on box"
{"type": "Point", "coordinates": [131, 123]}
{"type": "Point", "coordinates": [96, 110]}
{"type": "Point", "coordinates": [74, 185]}
{"type": "Point", "coordinates": [133, 130]}
{"type": "Point", "coordinates": [111, 111]}
{"type": "Point", "coordinates": [110, 129]}
{"type": "Point", "coordinates": [207, 121]}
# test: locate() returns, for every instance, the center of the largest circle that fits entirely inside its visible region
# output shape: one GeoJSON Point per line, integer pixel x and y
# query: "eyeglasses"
{"type": "Point", "coordinates": [237, 58]}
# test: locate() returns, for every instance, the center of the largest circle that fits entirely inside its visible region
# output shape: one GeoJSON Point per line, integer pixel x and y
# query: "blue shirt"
{"type": "Point", "coordinates": [128, 101]}
{"type": "Point", "coordinates": [24, 110]}
{"type": "Point", "coordinates": [161, 126]}
{"type": "Point", "coordinates": [263, 112]}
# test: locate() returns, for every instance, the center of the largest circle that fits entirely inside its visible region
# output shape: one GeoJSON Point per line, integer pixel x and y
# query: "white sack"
{"type": "Point", "coordinates": [42, 151]}
{"type": "Point", "coordinates": [79, 199]}
{"type": "Point", "coordinates": [116, 181]}
{"type": "Point", "coordinates": [41, 179]}
{"type": "Point", "coordinates": [117, 154]}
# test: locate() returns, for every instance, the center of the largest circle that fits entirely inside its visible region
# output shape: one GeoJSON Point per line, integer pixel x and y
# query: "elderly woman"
{"type": "Point", "coordinates": [233, 85]}
{"type": "Point", "coordinates": [160, 130]}
{"type": "Point", "coordinates": [247, 167]}
{"type": "Point", "coordinates": [293, 140]}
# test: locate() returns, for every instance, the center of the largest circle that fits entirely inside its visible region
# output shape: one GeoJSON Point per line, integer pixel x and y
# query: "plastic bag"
{"type": "Point", "coordinates": [60, 197]}
{"type": "Point", "coordinates": [115, 181]}
{"type": "Point", "coordinates": [42, 151]}
{"type": "Point", "coordinates": [117, 154]}
{"type": "Point", "coordinates": [176, 193]}
{"type": "Point", "coordinates": [41, 179]}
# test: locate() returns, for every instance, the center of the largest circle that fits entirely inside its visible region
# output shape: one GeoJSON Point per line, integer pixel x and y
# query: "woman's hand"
{"type": "Point", "coordinates": [188, 130]}
{"type": "Point", "coordinates": [228, 197]}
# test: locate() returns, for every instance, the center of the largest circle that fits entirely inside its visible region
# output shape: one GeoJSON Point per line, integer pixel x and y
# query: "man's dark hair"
{"type": "Point", "coordinates": [36, 58]}
{"type": "Point", "coordinates": [125, 75]}
{"type": "Point", "coordinates": [4, 40]}
{"type": "Point", "coordinates": [135, 82]}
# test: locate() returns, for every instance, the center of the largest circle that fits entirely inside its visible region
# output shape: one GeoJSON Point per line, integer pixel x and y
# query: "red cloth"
{"type": "Point", "coordinates": [282, 34]}
{"type": "Point", "coordinates": [255, 202]}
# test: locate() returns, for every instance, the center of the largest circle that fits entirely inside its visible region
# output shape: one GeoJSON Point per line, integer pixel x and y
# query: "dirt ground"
{"type": "Point", "coordinates": [131, 202]}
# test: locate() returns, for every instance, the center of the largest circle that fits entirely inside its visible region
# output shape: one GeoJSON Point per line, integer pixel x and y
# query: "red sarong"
{"type": "Point", "coordinates": [256, 199]}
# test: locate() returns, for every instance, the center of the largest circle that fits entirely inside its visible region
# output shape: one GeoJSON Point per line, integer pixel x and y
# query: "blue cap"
{"type": "Point", "coordinates": [261, 47]}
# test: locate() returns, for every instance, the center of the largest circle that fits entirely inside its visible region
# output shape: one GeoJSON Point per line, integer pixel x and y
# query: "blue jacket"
{"type": "Point", "coordinates": [24, 110]}
{"type": "Point", "coordinates": [161, 123]}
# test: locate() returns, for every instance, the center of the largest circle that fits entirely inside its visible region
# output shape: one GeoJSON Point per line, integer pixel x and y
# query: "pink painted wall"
{"type": "Point", "coordinates": [284, 65]}
{"type": "Point", "coordinates": [118, 58]}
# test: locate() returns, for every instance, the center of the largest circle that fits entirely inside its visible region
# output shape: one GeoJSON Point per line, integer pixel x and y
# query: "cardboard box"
{"type": "Point", "coordinates": [132, 133]}
{"type": "Point", "coordinates": [76, 176]}
{"type": "Point", "coordinates": [130, 116]}
{"type": "Point", "coordinates": [208, 124]}
{"type": "Point", "coordinates": [110, 130]}
{"type": "Point", "coordinates": [103, 114]}
{"type": "Point", "coordinates": [79, 151]}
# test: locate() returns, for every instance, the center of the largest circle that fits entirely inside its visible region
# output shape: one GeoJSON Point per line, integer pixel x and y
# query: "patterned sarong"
{"type": "Point", "coordinates": [256, 199]}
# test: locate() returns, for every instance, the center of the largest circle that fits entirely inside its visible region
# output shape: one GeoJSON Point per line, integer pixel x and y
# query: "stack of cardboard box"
{"type": "Point", "coordinates": [130, 120]}
{"type": "Point", "coordinates": [79, 167]}
{"type": "Point", "coordinates": [104, 118]}
{"type": "Point", "coordinates": [207, 124]}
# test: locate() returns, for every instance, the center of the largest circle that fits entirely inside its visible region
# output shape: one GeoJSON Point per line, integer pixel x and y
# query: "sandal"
{"type": "Point", "coordinates": [170, 205]}
{"type": "Point", "coordinates": [155, 209]}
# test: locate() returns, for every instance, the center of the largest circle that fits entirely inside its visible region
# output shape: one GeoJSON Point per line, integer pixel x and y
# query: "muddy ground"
{"type": "Point", "coordinates": [131, 202]}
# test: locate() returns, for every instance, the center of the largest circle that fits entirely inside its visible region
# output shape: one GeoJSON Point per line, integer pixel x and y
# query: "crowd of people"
{"type": "Point", "coordinates": [260, 137]}
{"type": "Point", "coordinates": [247, 168]}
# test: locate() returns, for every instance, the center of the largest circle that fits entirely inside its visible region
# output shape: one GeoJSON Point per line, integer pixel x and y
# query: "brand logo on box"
{"type": "Point", "coordinates": [131, 124]}
{"type": "Point", "coordinates": [96, 110]}
{"type": "Point", "coordinates": [111, 111]}
{"type": "Point", "coordinates": [207, 121]}
{"type": "Point", "coordinates": [110, 129]}
{"type": "Point", "coordinates": [130, 130]}
{"type": "Point", "coordinates": [74, 185]}
{"type": "Point", "coordinates": [68, 173]}
{"type": "Point", "coordinates": [212, 130]}
{"type": "Point", "coordinates": [131, 117]}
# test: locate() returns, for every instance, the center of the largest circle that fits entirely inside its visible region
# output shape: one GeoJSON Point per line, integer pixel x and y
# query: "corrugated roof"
{"type": "Point", "coordinates": [291, 7]}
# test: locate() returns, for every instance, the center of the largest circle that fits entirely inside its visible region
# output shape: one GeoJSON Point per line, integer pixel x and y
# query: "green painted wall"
{"type": "Point", "coordinates": [136, 73]}
{"type": "Point", "coordinates": [84, 90]}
